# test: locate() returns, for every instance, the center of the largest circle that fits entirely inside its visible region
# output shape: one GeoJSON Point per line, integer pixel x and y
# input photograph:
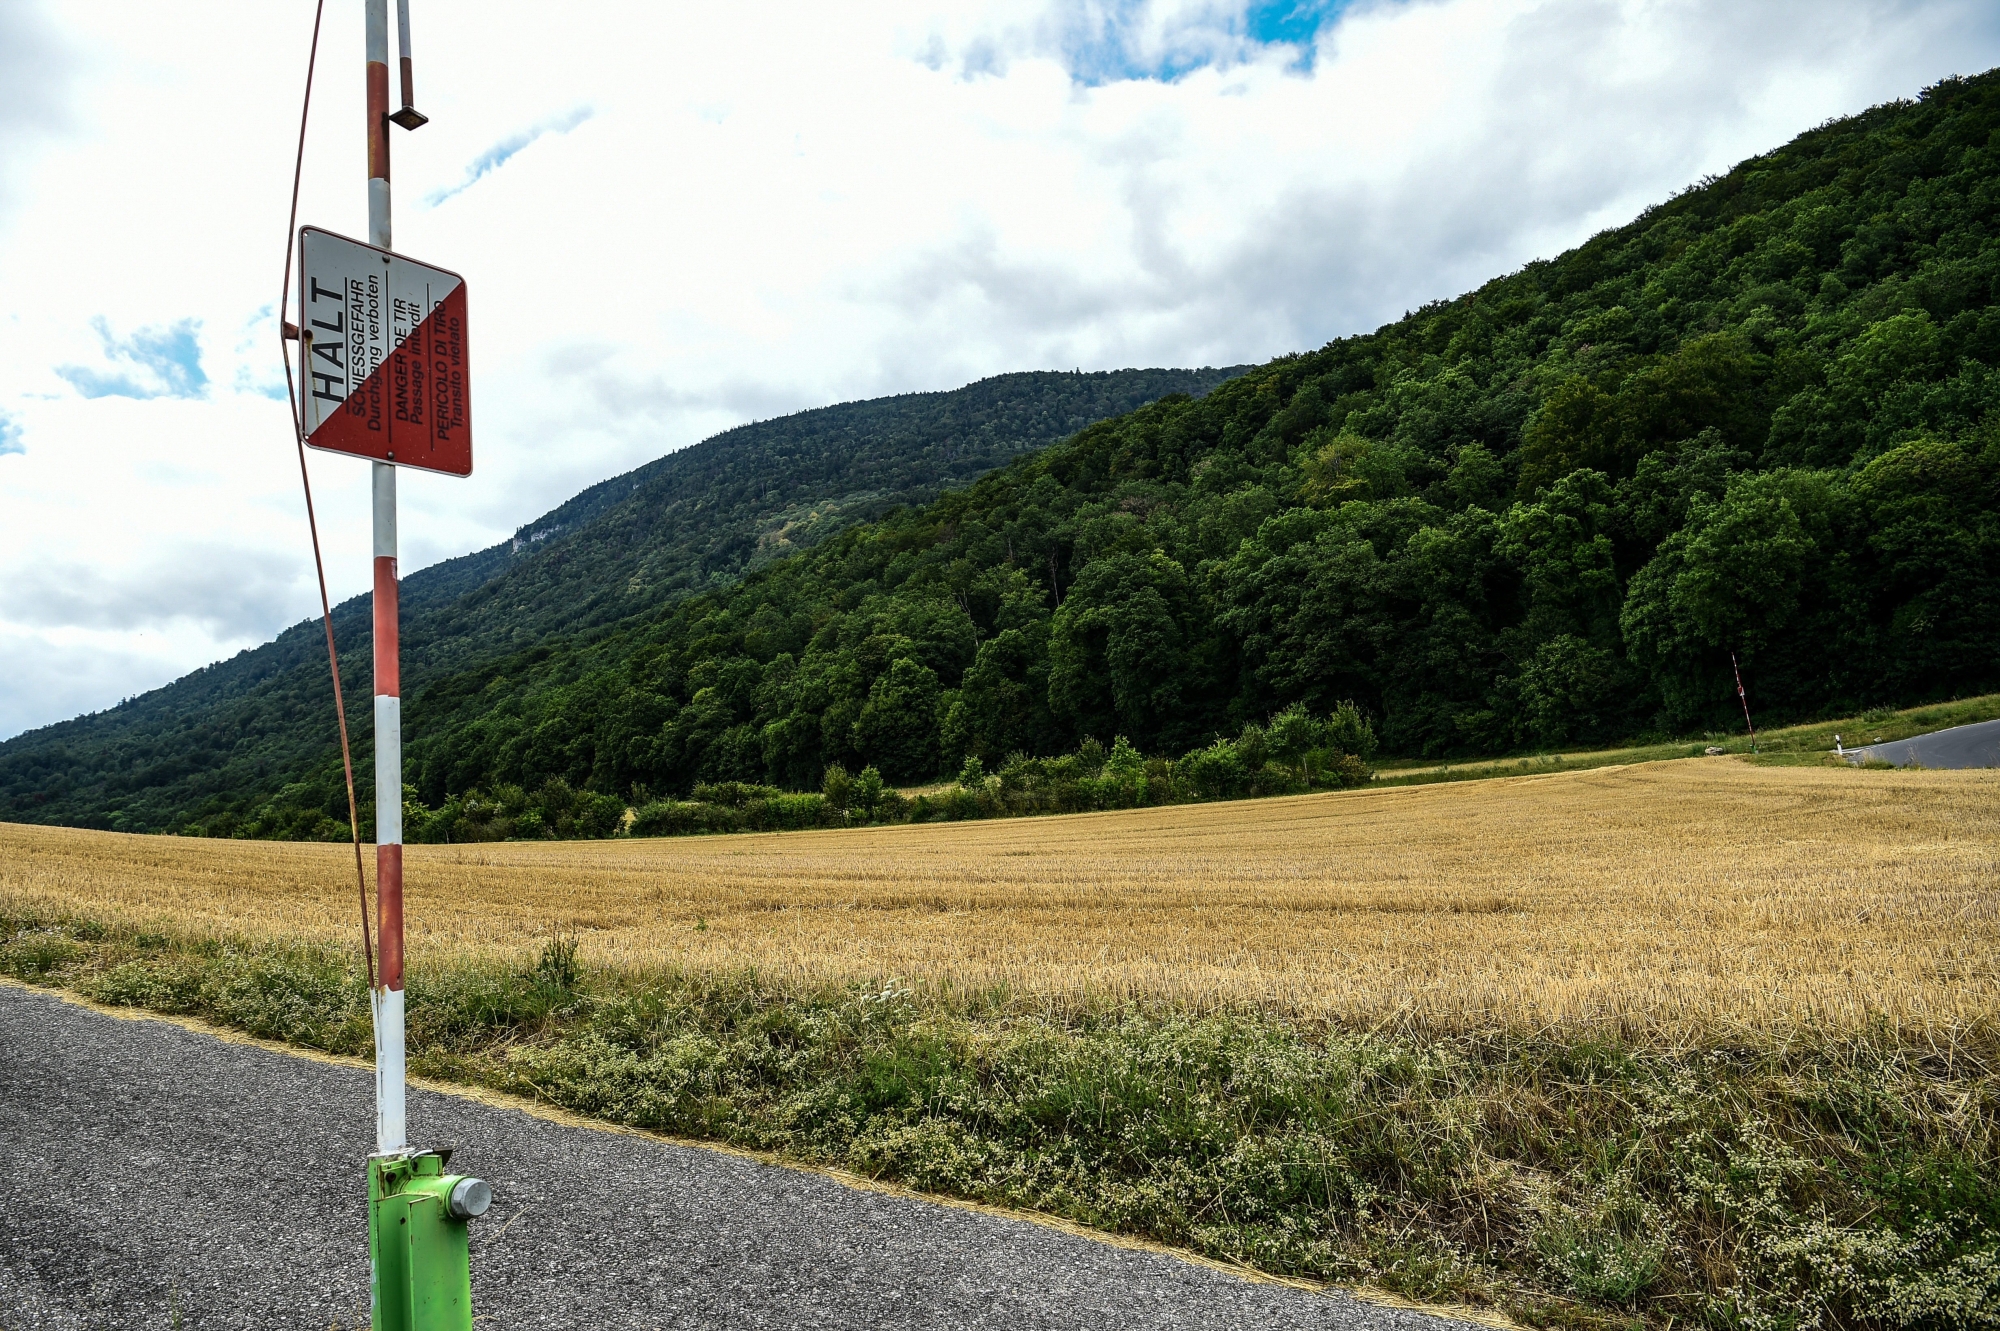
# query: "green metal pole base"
{"type": "Point", "coordinates": [417, 1215]}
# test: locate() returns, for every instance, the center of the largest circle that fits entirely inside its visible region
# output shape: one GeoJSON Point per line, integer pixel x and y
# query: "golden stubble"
{"type": "Point", "coordinates": [1682, 900]}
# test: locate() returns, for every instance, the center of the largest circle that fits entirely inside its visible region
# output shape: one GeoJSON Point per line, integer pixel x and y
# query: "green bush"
{"type": "Point", "coordinates": [1217, 772]}
{"type": "Point", "coordinates": [779, 812]}
{"type": "Point", "coordinates": [838, 788]}
{"type": "Point", "coordinates": [869, 792]}
{"type": "Point", "coordinates": [682, 818]}
{"type": "Point", "coordinates": [1088, 779]}
{"type": "Point", "coordinates": [733, 794]}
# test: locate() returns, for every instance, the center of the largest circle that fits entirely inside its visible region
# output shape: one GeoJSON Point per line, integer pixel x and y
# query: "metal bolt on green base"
{"type": "Point", "coordinates": [417, 1215]}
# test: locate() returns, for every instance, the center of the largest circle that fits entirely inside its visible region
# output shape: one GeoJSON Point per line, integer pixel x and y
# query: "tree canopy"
{"type": "Point", "coordinates": [232, 734]}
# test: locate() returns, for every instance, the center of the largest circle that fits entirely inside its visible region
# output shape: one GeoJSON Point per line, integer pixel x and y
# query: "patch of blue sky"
{"type": "Point", "coordinates": [10, 435]}
{"type": "Point", "coordinates": [498, 155]}
{"type": "Point", "coordinates": [1296, 22]}
{"type": "Point", "coordinates": [1107, 50]}
{"type": "Point", "coordinates": [152, 362]}
{"type": "Point", "coordinates": [264, 385]}
{"type": "Point", "coordinates": [1096, 64]}
{"type": "Point", "coordinates": [256, 372]}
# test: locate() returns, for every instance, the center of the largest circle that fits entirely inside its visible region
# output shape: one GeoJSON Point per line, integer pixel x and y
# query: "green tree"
{"type": "Point", "coordinates": [1118, 655]}
{"type": "Point", "coordinates": [1571, 690]}
{"type": "Point", "coordinates": [1217, 771]}
{"type": "Point", "coordinates": [1292, 734]}
{"type": "Point", "coordinates": [1349, 730]}
{"type": "Point", "coordinates": [1732, 579]}
{"type": "Point", "coordinates": [898, 727]}
{"type": "Point", "coordinates": [1005, 696]}
{"type": "Point", "coordinates": [838, 788]}
{"type": "Point", "coordinates": [868, 791]}
{"type": "Point", "coordinates": [1124, 762]}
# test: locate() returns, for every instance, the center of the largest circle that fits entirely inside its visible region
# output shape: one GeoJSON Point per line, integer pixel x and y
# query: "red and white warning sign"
{"type": "Point", "coordinates": [383, 355]}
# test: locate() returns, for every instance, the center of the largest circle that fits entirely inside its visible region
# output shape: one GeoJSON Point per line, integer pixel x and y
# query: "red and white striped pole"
{"type": "Point", "coordinates": [1743, 698]}
{"type": "Point", "coordinates": [403, 51]}
{"type": "Point", "coordinates": [409, 117]}
{"type": "Point", "coordinates": [391, 1132]}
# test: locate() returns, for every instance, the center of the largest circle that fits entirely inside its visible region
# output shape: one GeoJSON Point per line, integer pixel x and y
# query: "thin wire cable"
{"type": "Point", "coordinates": [312, 521]}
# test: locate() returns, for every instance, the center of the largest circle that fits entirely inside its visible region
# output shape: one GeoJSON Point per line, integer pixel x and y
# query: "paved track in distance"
{"type": "Point", "coordinates": [155, 1176]}
{"type": "Point", "coordinates": [1976, 745]}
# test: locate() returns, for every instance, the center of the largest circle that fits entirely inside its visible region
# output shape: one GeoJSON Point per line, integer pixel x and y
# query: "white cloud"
{"type": "Point", "coordinates": [35, 70]}
{"type": "Point", "coordinates": [500, 153]}
{"type": "Point", "coordinates": [772, 206]}
{"type": "Point", "coordinates": [226, 591]}
{"type": "Point", "coordinates": [152, 362]}
{"type": "Point", "coordinates": [55, 676]}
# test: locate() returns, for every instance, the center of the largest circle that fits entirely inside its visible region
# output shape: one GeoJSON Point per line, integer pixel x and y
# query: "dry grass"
{"type": "Point", "coordinates": [1684, 900]}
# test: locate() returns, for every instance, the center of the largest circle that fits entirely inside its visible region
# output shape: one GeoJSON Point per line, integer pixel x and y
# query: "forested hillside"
{"type": "Point", "coordinates": [1760, 419]}
{"type": "Point", "coordinates": [230, 735]}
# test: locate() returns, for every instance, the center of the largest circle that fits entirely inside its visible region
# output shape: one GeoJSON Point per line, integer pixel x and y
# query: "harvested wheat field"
{"type": "Point", "coordinates": [1683, 899]}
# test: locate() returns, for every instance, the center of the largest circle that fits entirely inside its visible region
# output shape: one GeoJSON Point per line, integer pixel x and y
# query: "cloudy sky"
{"type": "Point", "coordinates": [674, 218]}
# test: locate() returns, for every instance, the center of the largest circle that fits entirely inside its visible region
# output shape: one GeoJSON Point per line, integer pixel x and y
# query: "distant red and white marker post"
{"type": "Point", "coordinates": [384, 375]}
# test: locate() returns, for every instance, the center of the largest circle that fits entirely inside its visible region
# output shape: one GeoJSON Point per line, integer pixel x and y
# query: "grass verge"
{"type": "Point", "coordinates": [1847, 1181]}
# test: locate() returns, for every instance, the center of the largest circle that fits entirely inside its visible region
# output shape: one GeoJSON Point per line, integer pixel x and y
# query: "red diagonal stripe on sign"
{"type": "Point", "coordinates": [413, 410]}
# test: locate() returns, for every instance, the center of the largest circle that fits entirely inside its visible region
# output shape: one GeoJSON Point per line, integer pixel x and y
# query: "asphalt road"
{"type": "Point", "coordinates": [156, 1177]}
{"type": "Point", "coordinates": [1976, 745]}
